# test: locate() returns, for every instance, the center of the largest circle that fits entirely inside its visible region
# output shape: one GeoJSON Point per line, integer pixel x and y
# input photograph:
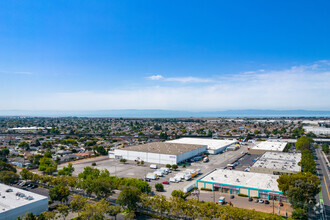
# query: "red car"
{"type": "Point", "coordinates": [166, 182]}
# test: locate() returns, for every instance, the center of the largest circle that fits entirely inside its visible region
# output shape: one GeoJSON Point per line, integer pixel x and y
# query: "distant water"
{"type": "Point", "coordinates": [132, 113]}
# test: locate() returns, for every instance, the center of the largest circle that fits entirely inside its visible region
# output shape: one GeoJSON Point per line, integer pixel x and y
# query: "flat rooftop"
{"type": "Point", "coordinates": [270, 146]}
{"type": "Point", "coordinates": [12, 197]}
{"type": "Point", "coordinates": [244, 179]}
{"type": "Point", "coordinates": [164, 148]}
{"type": "Point", "coordinates": [279, 161]}
{"type": "Point", "coordinates": [212, 144]}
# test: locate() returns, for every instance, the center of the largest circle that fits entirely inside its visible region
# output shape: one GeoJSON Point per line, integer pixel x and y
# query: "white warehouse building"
{"type": "Point", "coordinates": [159, 152]}
{"type": "Point", "coordinates": [214, 146]}
{"type": "Point", "coordinates": [16, 202]}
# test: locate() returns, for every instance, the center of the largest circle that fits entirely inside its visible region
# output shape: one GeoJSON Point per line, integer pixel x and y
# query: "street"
{"type": "Point", "coordinates": [323, 172]}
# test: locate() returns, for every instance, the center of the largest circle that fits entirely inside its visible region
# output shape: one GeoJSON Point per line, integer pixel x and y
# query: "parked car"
{"type": "Point", "coordinates": [147, 180]}
{"type": "Point", "coordinates": [261, 201]}
{"type": "Point", "coordinates": [266, 202]}
{"type": "Point", "coordinates": [281, 204]}
{"type": "Point", "coordinates": [256, 200]}
{"type": "Point", "coordinates": [34, 186]}
{"type": "Point", "coordinates": [250, 199]}
{"type": "Point", "coordinates": [166, 182]}
{"type": "Point", "coordinates": [232, 196]}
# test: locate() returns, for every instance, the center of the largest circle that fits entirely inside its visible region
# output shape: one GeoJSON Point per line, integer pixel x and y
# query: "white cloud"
{"type": "Point", "coordinates": [298, 87]}
{"type": "Point", "coordinates": [188, 79]}
{"type": "Point", "coordinates": [155, 77]}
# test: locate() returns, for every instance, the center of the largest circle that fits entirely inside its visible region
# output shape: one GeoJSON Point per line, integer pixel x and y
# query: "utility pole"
{"type": "Point", "coordinates": [273, 203]}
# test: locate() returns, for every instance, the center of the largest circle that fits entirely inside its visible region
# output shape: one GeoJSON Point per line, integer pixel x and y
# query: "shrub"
{"type": "Point", "coordinates": [123, 160]}
{"type": "Point", "coordinates": [93, 164]}
{"type": "Point", "coordinates": [206, 189]}
{"type": "Point", "coordinates": [243, 195]}
{"type": "Point", "coordinates": [159, 187]}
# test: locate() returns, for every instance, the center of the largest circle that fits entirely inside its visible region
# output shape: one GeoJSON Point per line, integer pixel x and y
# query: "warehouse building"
{"type": "Point", "coordinates": [234, 182]}
{"type": "Point", "coordinates": [317, 130]}
{"type": "Point", "coordinates": [277, 163]}
{"type": "Point", "coordinates": [266, 146]}
{"type": "Point", "coordinates": [159, 152]}
{"type": "Point", "coordinates": [214, 146]}
{"type": "Point", "coordinates": [16, 202]}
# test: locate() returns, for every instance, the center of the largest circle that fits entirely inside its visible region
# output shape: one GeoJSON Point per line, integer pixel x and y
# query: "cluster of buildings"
{"type": "Point", "coordinates": [261, 181]}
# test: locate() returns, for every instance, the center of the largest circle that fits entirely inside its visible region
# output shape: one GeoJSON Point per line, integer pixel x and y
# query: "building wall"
{"type": "Point", "coordinates": [244, 191]}
{"type": "Point", "coordinates": [145, 156]}
{"type": "Point", "coordinates": [154, 157]}
{"type": "Point", "coordinates": [35, 207]}
{"type": "Point", "coordinates": [254, 193]}
{"type": "Point", "coordinates": [270, 171]}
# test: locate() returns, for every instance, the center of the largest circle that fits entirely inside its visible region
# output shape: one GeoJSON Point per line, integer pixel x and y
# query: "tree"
{"type": "Point", "coordinates": [26, 174]}
{"type": "Point", "coordinates": [66, 171]}
{"type": "Point", "coordinates": [63, 210]}
{"type": "Point", "coordinates": [129, 197]}
{"type": "Point", "coordinates": [59, 193]}
{"type": "Point", "coordinates": [5, 151]}
{"type": "Point", "coordinates": [114, 210]}
{"type": "Point", "coordinates": [300, 188]}
{"type": "Point", "coordinates": [8, 177]}
{"type": "Point", "coordinates": [325, 148]}
{"type": "Point", "coordinates": [168, 166]}
{"type": "Point", "coordinates": [47, 165]}
{"type": "Point", "coordinates": [307, 161]}
{"type": "Point", "coordinates": [29, 216]}
{"type": "Point", "coordinates": [122, 160]}
{"type": "Point", "coordinates": [300, 214]}
{"type": "Point", "coordinates": [159, 187]}
{"type": "Point", "coordinates": [175, 167]}
{"type": "Point", "coordinates": [78, 203]}
{"type": "Point", "coordinates": [183, 165]}
{"type": "Point", "coordinates": [304, 143]}
{"type": "Point", "coordinates": [94, 211]}
{"type": "Point", "coordinates": [24, 145]}
{"type": "Point", "coordinates": [6, 167]}
{"type": "Point", "coordinates": [177, 193]}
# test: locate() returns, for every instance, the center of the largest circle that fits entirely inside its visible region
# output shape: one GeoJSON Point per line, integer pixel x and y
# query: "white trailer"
{"type": "Point", "coordinates": [153, 166]}
{"type": "Point", "coordinates": [151, 176]}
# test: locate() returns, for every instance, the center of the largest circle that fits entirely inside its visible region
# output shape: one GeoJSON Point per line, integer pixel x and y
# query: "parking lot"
{"type": "Point", "coordinates": [243, 202]}
{"type": "Point", "coordinates": [132, 170]}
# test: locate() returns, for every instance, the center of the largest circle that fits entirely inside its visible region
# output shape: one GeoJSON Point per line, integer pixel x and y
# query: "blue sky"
{"type": "Point", "coordinates": [180, 55]}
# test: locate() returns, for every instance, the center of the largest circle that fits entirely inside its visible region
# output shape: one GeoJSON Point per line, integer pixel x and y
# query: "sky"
{"type": "Point", "coordinates": [171, 55]}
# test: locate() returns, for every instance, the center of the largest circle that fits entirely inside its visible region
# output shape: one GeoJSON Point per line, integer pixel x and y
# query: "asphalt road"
{"type": "Point", "coordinates": [325, 182]}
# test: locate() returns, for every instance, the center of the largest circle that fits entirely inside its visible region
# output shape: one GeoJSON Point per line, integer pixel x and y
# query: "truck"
{"type": "Point", "coordinates": [187, 176]}
{"type": "Point", "coordinates": [158, 173]}
{"type": "Point", "coordinates": [166, 170]}
{"type": "Point", "coordinates": [173, 180]}
{"type": "Point", "coordinates": [151, 176]}
{"type": "Point", "coordinates": [221, 200]}
{"type": "Point", "coordinates": [153, 166]}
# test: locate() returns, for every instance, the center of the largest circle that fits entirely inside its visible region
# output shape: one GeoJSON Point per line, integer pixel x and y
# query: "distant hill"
{"type": "Point", "coordinates": [133, 113]}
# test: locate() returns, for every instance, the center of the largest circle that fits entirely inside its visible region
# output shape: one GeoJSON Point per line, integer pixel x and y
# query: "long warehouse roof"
{"type": "Point", "coordinates": [164, 148]}
{"type": "Point", "coordinates": [212, 144]}
{"type": "Point", "coordinates": [244, 179]}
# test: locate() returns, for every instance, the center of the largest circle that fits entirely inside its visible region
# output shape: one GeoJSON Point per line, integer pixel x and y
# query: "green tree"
{"type": "Point", "coordinates": [26, 174]}
{"type": "Point", "coordinates": [47, 165]}
{"type": "Point", "coordinates": [129, 197]}
{"type": "Point", "coordinates": [59, 193]}
{"type": "Point", "coordinates": [159, 187]}
{"type": "Point", "coordinates": [5, 151]}
{"type": "Point", "coordinates": [300, 214]}
{"type": "Point", "coordinates": [168, 166]}
{"type": "Point", "coordinates": [175, 167]}
{"type": "Point", "coordinates": [78, 203]}
{"type": "Point", "coordinates": [29, 216]}
{"type": "Point", "coordinates": [325, 148]}
{"type": "Point", "coordinates": [63, 210]}
{"type": "Point", "coordinates": [300, 188]}
{"type": "Point", "coordinates": [66, 171]}
{"type": "Point", "coordinates": [177, 193]}
{"type": "Point", "coordinates": [114, 210]}
{"type": "Point", "coordinates": [6, 167]}
{"type": "Point", "coordinates": [94, 211]}
{"type": "Point", "coordinates": [304, 143]}
{"type": "Point", "coordinates": [24, 145]}
{"type": "Point", "coordinates": [8, 177]}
